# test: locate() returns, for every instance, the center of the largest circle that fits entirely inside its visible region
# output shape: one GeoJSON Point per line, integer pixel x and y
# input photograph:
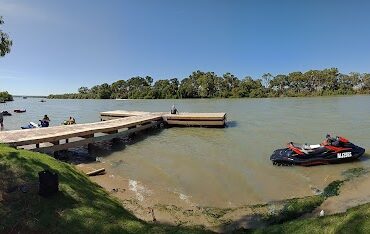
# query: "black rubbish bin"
{"type": "Point", "coordinates": [48, 183]}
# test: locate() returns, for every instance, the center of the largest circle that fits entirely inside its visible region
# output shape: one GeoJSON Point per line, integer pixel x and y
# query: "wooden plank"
{"type": "Point", "coordinates": [196, 123]}
{"type": "Point", "coordinates": [183, 119]}
{"type": "Point", "coordinates": [74, 144]}
{"type": "Point", "coordinates": [185, 115]}
{"type": "Point", "coordinates": [52, 134]}
{"type": "Point", "coordinates": [195, 116]}
{"type": "Point", "coordinates": [96, 172]}
{"type": "Point", "coordinates": [166, 116]}
{"type": "Point", "coordinates": [123, 113]}
{"type": "Point", "coordinates": [109, 115]}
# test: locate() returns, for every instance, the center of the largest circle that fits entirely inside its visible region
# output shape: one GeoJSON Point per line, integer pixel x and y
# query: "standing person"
{"type": "Point", "coordinates": [1, 120]}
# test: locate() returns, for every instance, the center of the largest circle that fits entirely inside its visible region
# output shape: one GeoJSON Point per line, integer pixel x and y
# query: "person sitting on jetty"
{"type": "Point", "coordinates": [45, 121]}
{"type": "Point", "coordinates": [174, 111]}
{"type": "Point", "coordinates": [70, 121]}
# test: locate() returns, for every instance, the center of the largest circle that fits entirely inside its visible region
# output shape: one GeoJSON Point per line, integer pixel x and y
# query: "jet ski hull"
{"type": "Point", "coordinates": [287, 156]}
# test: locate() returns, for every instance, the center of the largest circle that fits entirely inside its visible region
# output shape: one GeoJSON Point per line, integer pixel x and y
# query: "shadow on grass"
{"type": "Point", "coordinates": [244, 224]}
{"type": "Point", "coordinates": [80, 207]}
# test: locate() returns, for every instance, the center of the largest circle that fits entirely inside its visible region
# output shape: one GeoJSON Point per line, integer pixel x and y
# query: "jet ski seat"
{"type": "Point", "coordinates": [308, 149]}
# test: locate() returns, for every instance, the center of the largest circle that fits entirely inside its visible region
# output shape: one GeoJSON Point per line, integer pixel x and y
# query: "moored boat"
{"type": "Point", "coordinates": [20, 111]}
{"type": "Point", "coordinates": [6, 113]}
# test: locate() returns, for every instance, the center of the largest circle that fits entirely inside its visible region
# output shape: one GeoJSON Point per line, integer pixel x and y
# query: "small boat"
{"type": "Point", "coordinates": [24, 97]}
{"type": "Point", "coordinates": [5, 113]}
{"type": "Point", "coordinates": [20, 111]}
{"type": "Point", "coordinates": [331, 150]}
{"type": "Point", "coordinates": [42, 100]}
{"type": "Point", "coordinates": [2, 101]}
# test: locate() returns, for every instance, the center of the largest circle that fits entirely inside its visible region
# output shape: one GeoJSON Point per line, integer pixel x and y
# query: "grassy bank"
{"type": "Point", "coordinates": [355, 220]}
{"type": "Point", "coordinates": [80, 207]}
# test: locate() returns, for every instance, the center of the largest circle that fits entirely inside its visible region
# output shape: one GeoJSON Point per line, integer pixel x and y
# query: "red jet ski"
{"type": "Point", "coordinates": [331, 150]}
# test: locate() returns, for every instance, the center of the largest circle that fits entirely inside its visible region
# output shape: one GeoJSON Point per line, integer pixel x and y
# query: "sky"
{"type": "Point", "coordinates": [59, 46]}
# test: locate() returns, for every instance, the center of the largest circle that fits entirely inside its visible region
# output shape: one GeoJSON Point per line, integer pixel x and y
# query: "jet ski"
{"type": "Point", "coordinates": [331, 150]}
{"type": "Point", "coordinates": [31, 125]}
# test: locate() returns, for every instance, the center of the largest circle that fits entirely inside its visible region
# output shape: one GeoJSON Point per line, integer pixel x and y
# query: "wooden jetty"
{"type": "Point", "coordinates": [114, 124]}
{"type": "Point", "coordinates": [58, 136]}
{"type": "Point", "coordinates": [184, 119]}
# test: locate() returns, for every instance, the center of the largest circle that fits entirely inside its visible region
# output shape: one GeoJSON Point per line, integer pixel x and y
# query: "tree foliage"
{"type": "Point", "coordinates": [210, 85]}
{"type": "Point", "coordinates": [5, 96]}
{"type": "Point", "coordinates": [5, 41]}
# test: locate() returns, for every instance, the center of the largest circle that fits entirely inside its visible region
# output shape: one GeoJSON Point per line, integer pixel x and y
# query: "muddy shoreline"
{"type": "Point", "coordinates": [156, 204]}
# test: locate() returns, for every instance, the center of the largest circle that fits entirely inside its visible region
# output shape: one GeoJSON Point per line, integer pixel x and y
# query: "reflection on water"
{"type": "Point", "coordinates": [222, 167]}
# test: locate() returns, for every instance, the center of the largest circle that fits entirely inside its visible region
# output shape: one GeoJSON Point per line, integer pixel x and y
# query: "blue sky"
{"type": "Point", "coordinates": [60, 46]}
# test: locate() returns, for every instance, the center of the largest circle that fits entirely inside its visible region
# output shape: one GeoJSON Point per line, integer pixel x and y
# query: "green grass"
{"type": "Point", "coordinates": [81, 206]}
{"type": "Point", "coordinates": [294, 208]}
{"type": "Point", "coordinates": [355, 220]}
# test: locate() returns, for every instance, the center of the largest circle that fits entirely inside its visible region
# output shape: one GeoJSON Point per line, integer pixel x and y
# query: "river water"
{"type": "Point", "coordinates": [222, 167]}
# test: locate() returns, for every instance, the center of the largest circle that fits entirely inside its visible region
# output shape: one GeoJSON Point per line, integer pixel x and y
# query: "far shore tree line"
{"type": "Point", "coordinates": [210, 85]}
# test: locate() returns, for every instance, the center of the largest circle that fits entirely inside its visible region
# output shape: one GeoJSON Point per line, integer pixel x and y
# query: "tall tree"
{"type": "Point", "coordinates": [5, 42]}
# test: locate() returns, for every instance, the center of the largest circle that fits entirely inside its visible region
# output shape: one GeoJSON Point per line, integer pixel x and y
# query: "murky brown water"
{"type": "Point", "coordinates": [222, 167]}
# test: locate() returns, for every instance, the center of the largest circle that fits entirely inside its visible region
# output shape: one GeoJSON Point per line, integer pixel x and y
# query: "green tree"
{"type": "Point", "coordinates": [5, 96]}
{"type": "Point", "coordinates": [266, 79]}
{"type": "Point", "coordinates": [188, 88]}
{"type": "Point", "coordinates": [366, 81]}
{"type": "Point", "coordinates": [83, 90]}
{"type": "Point", "coordinates": [5, 41]}
{"type": "Point", "coordinates": [104, 91]}
{"type": "Point", "coordinates": [119, 89]}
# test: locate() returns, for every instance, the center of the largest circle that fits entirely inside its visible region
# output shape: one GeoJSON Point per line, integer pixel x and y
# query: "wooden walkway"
{"type": "Point", "coordinates": [183, 118]}
{"type": "Point", "coordinates": [114, 124]}
{"type": "Point", "coordinates": [57, 133]}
